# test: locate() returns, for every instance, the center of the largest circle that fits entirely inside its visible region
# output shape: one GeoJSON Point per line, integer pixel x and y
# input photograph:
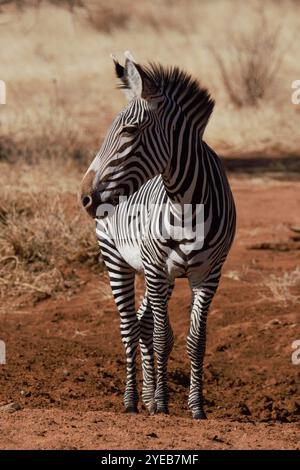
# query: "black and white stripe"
{"type": "Point", "coordinates": [154, 154]}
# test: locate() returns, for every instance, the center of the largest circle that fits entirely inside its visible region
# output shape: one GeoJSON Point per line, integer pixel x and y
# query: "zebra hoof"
{"type": "Point", "coordinates": [131, 410]}
{"type": "Point", "coordinates": [199, 414]}
{"type": "Point", "coordinates": [162, 410]}
{"type": "Point", "coordinates": [152, 409]}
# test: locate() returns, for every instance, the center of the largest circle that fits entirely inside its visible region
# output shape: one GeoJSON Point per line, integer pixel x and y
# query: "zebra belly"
{"type": "Point", "coordinates": [132, 255]}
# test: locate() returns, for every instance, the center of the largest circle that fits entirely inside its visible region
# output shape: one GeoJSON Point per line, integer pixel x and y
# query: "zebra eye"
{"type": "Point", "coordinates": [129, 130]}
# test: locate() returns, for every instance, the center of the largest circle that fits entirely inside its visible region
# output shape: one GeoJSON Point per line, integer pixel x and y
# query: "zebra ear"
{"type": "Point", "coordinates": [119, 69]}
{"type": "Point", "coordinates": [133, 76]}
{"type": "Point", "coordinates": [138, 82]}
{"type": "Point", "coordinates": [128, 75]}
{"type": "Point", "coordinates": [122, 76]}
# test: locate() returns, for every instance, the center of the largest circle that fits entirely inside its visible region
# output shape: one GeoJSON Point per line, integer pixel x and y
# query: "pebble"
{"type": "Point", "coordinates": [10, 408]}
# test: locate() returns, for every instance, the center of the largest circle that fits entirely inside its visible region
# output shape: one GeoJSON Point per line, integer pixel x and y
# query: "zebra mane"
{"type": "Point", "coordinates": [156, 80]}
{"type": "Point", "coordinates": [167, 79]}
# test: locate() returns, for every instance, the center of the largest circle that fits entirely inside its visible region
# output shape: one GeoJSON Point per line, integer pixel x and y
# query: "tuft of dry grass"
{"type": "Point", "coordinates": [44, 238]}
{"type": "Point", "coordinates": [281, 287]}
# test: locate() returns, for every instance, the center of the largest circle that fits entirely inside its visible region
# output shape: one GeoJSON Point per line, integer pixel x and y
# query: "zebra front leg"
{"type": "Point", "coordinates": [145, 316]}
{"type": "Point", "coordinates": [122, 285]}
{"type": "Point", "coordinates": [196, 342]}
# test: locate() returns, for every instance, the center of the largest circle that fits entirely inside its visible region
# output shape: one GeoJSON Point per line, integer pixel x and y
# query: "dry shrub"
{"type": "Point", "coordinates": [43, 237]}
{"type": "Point", "coordinates": [253, 63]}
{"type": "Point", "coordinates": [281, 287]}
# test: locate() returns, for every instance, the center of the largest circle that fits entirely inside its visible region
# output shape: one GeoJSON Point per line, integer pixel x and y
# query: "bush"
{"type": "Point", "coordinates": [43, 238]}
{"type": "Point", "coordinates": [253, 64]}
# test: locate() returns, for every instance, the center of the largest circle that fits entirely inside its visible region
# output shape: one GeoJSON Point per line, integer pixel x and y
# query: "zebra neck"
{"type": "Point", "coordinates": [185, 177]}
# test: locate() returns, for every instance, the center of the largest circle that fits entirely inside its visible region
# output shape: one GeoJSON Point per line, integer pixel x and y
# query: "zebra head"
{"type": "Point", "coordinates": [133, 150]}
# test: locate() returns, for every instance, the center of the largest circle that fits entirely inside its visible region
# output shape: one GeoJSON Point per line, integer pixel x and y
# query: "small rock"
{"type": "Point", "coordinates": [152, 434]}
{"type": "Point", "coordinates": [10, 408]}
{"type": "Point", "coordinates": [66, 373]}
{"type": "Point", "coordinates": [244, 410]}
{"type": "Point", "coordinates": [273, 322]}
{"type": "Point", "coordinates": [217, 439]}
{"type": "Point", "coordinates": [80, 378]}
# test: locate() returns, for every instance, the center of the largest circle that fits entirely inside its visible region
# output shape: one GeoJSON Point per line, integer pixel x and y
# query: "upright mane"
{"type": "Point", "coordinates": [176, 84]}
{"type": "Point", "coordinates": [189, 92]}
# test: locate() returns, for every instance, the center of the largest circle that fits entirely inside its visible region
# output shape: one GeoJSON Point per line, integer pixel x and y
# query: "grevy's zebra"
{"type": "Point", "coordinates": [155, 155]}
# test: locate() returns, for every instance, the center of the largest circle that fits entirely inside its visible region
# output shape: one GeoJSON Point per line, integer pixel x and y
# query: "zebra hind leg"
{"type": "Point", "coordinates": [196, 341]}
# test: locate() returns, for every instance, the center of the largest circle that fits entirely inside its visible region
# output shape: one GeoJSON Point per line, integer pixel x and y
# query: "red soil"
{"type": "Point", "coordinates": [66, 368]}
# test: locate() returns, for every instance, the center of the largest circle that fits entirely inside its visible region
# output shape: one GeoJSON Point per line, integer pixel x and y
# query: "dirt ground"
{"type": "Point", "coordinates": [66, 369]}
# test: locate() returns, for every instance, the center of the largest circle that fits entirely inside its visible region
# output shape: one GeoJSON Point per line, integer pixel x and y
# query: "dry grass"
{"type": "Point", "coordinates": [44, 240]}
{"type": "Point", "coordinates": [281, 287]}
{"type": "Point", "coordinates": [60, 80]}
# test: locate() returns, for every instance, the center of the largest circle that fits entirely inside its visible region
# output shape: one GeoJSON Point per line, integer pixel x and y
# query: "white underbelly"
{"type": "Point", "coordinates": [132, 255]}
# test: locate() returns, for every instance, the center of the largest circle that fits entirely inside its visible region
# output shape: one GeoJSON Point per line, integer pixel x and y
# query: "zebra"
{"type": "Point", "coordinates": [153, 157]}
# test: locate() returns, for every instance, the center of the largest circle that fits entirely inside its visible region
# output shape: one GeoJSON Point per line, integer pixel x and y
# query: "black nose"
{"type": "Point", "coordinates": [91, 202]}
{"type": "Point", "coordinates": [86, 201]}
